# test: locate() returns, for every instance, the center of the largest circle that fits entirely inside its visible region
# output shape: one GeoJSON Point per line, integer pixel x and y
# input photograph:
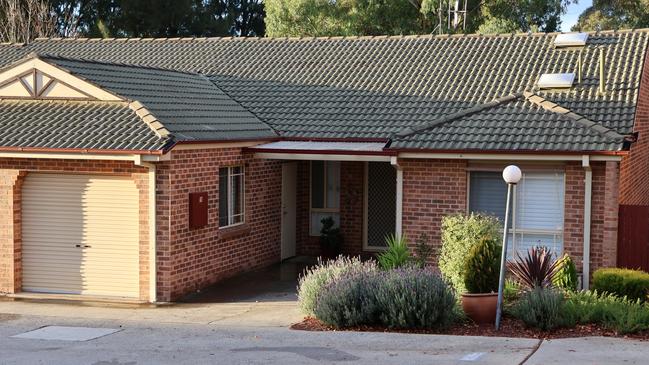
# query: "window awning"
{"type": "Point", "coordinates": [316, 150]}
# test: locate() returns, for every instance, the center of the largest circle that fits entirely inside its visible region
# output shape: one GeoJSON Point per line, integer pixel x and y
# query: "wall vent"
{"type": "Point", "coordinates": [556, 81]}
{"type": "Point", "coordinates": [571, 40]}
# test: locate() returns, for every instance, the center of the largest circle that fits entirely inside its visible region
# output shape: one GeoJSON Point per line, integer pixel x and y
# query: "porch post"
{"type": "Point", "coordinates": [399, 201]}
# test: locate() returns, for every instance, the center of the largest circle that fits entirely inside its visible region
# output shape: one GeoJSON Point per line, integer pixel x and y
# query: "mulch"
{"type": "Point", "coordinates": [510, 327]}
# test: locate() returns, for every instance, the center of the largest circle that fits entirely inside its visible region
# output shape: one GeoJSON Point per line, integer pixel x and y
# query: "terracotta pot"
{"type": "Point", "coordinates": [481, 308]}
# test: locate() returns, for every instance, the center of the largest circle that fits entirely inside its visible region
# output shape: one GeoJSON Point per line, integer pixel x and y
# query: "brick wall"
{"type": "Point", "coordinates": [13, 172]}
{"type": "Point", "coordinates": [189, 259]}
{"type": "Point", "coordinates": [432, 189]}
{"type": "Point", "coordinates": [634, 170]}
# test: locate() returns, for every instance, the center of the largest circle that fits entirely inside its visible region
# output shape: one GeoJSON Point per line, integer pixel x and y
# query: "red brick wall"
{"type": "Point", "coordinates": [432, 189]}
{"type": "Point", "coordinates": [189, 259]}
{"type": "Point", "coordinates": [634, 170]}
{"type": "Point", "coordinates": [12, 173]}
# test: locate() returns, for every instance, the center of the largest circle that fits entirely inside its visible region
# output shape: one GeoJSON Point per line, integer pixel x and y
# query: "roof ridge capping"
{"type": "Point", "coordinates": [577, 118]}
{"type": "Point", "coordinates": [462, 113]}
{"type": "Point", "coordinates": [149, 119]}
{"type": "Point", "coordinates": [374, 37]}
{"type": "Point", "coordinates": [54, 56]}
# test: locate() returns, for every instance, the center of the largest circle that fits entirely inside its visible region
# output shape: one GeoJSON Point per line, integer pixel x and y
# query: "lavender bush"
{"type": "Point", "coordinates": [414, 298]}
{"type": "Point", "coordinates": [314, 280]}
{"type": "Point", "coordinates": [349, 301]}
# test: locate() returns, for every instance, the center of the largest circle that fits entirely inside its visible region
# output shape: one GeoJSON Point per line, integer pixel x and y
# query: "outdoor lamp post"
{"type": "Point", "coordinates": [512, 175]}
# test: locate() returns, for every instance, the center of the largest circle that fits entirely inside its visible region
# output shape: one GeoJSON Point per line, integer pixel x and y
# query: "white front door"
{"type": "Point", "coordinates": [289, 189]}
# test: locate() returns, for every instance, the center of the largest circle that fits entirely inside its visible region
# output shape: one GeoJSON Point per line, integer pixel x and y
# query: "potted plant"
{"type": "Point", "coordinates": [331, 240]}
{"type": "Point", "coordinates": [481, 274]}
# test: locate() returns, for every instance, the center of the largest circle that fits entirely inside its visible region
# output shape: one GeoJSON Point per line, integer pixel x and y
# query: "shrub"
{"type": "Point", "coordinates": [459, 234]}
{"type": "Point", "coordinates": [396, 255]}
{"type": "Point", "coordinates": [511, 292]}
{"type": "Point", "coordinates": [482, 267]}
{"type": "Point", "coordinates": [633, 284]}
{"type": "Point", "coordinates": [314, 280]}
{"type": "Point", "coordinates": [537, 269]}
{"type": "Point", "coordinates": [414, 298]}
{"type": "Point", "coordinates": [566, 275]}
{"type": "Point", "coordinates": [618, 314]}
{"type": "Point", "coordinates": [348, 301]}
{"type": "Point", "coordinates": [543, 309]}
{"type": "Point", "coordinates": [423, 250]}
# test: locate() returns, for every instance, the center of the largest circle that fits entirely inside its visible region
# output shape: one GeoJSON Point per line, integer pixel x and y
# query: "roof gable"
{"type": "Point", "coordinates": [34, 78]}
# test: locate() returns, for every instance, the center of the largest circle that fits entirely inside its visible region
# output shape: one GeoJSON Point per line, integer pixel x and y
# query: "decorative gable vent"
{"type": "Point", "coordinates": [556, 81]}
{"type": "Point", "coordinates": [36, 84]}
{"type": "Point", "coordinates": [571, 40]}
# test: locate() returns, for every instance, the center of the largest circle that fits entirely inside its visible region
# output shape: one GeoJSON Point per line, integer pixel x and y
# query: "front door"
{"type": "Point", "coordinates": [380, 204]}
{"type": "Point", "coordinates": [289, 188]}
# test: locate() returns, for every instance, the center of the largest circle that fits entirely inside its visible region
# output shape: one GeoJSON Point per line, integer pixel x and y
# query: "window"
{"type": "Point", "coordinates": [231, 196]}
{"type": "Point", "coordinates": [539, 201]}
{"type": "Point", "coordinates": [325, 193]}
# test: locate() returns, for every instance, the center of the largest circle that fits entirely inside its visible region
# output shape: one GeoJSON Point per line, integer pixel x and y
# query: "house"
{"type": "Point", "coordinates": [149, 168]}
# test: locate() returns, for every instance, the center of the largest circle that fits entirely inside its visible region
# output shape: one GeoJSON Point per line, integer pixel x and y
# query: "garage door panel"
{"type": "Point", "coordinates": [98, 213]}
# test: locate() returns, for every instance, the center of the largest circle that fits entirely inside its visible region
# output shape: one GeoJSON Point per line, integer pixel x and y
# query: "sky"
{"type": "Point", "coordinates": [570, 17]}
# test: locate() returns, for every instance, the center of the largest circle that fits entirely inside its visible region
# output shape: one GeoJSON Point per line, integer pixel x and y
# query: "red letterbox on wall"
{"type": "Point", "coordinates": [197, 210]}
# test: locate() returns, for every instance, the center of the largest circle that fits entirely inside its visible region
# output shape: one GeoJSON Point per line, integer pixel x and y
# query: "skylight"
{"type": "Point", "coordinates": [556, 81]}
{"type": "Point", "coordinates": [571, 40]}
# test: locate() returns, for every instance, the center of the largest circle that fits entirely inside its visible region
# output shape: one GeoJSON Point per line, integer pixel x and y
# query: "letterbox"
{"type": "Point", "coordinates": [197, 210]}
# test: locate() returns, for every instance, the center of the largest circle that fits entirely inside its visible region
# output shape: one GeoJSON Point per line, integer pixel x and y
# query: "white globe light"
{"type": "Point", "coordinates": [512, 174]}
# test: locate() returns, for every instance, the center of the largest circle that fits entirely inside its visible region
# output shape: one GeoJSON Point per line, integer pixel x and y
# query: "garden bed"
{"type": "Point", "coordinates": [510, 327]}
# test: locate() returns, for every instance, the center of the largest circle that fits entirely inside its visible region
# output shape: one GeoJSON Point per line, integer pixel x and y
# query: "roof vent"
{"type": "Point", "coordinates": [556, 81]}
{"type": "Point", "coordinates": [571, 40]}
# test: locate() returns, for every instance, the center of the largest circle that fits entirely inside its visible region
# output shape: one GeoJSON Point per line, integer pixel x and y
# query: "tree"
{"type": "Point", "coordinates": [507, 16]}
{"type": "Point", "coordinates": [24, 20]}
{"type": "Point", "coordinates": [614, 14]}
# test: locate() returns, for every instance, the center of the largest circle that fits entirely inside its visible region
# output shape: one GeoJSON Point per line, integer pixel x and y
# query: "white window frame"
{"type": "Point", "coordinates": [313, 210]}
{"type": "Point", "coordinates": [231, 213]}
{"type": "Point", "coordinates": [515, 233]}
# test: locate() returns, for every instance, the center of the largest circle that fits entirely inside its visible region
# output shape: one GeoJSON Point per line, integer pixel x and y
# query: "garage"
{"type": "Point", "coordinates": [80, 235]}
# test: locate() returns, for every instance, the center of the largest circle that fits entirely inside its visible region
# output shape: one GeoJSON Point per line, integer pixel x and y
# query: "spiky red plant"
{"type": "Point", "coordinates": [537, 269]}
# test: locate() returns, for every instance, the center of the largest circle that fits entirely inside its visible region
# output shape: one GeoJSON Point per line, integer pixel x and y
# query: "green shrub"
{"type": "Point", "coordinates": [612, 312]}
{"type": "Point", "coordinates": [314, 280]}
{"type": "Point", "coordinates": [633, 284]}
{"type": "Point", "coordinates": [511, 292]}
{"type": "Point", "coordinates": [543, 309]}
{"type": "Point", "coordinates": [348, 301]}
{"type": "Point", "coordinates": [396, 255]}
{"type": "Point", "coordinates": [459, 234]}
{"type": "Point", "coordinates": [482, 267]}
{"type": "Point", "coordinates": [414, 298]}
{"type": "Point", "coordinates": [566, 275]}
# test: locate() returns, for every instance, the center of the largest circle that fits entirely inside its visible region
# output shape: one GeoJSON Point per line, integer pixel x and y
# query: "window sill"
{"type": "Point", "coordinates": [234, 231]}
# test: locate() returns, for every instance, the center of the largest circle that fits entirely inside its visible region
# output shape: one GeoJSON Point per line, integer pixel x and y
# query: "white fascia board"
{"type": "Point", "coordinates": [505, 156]}
{"type": "Point", "coordinates": [72, 156]}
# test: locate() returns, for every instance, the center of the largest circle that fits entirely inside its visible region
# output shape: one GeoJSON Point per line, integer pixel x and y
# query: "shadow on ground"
{"type": "Point", "coordinates": [277, 283]}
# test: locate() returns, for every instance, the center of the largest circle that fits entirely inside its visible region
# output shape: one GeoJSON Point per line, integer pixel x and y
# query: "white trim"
{"type": "Point", "coordinates": [505, 156]}
{"type": "Point", "coordinates": [59, 74]}
{"type": "Point", "coordinates": [230, 203]}
{"type": "Point", "coordinates": [77, 156]}
{"type": "Point", "coordinates": [153, 269]}
{"type": "Point", "coordinates": [398, 227]}
{"type": "Point", "coordinates": [588, 188]}
{"type": "Point", "coordinates": [321, 157]}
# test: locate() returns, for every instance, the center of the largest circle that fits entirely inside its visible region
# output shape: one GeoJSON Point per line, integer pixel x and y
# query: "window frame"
{"type": "Point", "coordinates": [229, 195]}
{"type": "Point", "coordinates": [324, 197]}
{"type": "Point", "coordinates": [515, 232]}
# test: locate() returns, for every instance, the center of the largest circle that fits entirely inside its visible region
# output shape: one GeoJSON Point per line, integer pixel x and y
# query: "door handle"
{"type": "Point", "coordinates": [82, 246]}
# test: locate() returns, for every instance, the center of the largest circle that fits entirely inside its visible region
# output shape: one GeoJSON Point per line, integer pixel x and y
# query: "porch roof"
{"type": "Point", "coordinates": [319, 150]}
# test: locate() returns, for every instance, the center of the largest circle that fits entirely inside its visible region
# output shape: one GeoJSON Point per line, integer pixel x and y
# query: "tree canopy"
{"type": "Point", "coordinates": [614, 14]}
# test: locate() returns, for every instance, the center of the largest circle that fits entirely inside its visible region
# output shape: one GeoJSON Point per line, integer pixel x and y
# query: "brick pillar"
{"type": "Point", "coordinates": [10, 248]}
{"type": "Point", "coordinates": [142, 184]}
{"type": "Point", "coordinates": [611, 207]}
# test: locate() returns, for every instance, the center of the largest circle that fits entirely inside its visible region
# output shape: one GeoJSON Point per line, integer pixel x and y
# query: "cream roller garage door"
{"type": "Point", "coordinates": [80, 235]}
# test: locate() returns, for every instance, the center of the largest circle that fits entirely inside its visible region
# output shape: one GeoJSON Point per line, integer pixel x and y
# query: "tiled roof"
{"type": "Point", "coordinates": [74, 125]}
{"type": "Point", "coordinates": [516, 122]}
{"type": "Point", "coordinates": [189, 105]}
{"type": "Point", "coordinates": [375, 87]}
